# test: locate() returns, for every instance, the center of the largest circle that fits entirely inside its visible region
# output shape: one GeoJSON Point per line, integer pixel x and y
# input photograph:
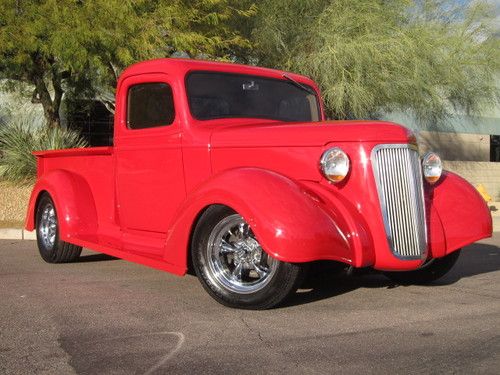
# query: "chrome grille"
{"type": "Point", "coordinates": [399, 182]}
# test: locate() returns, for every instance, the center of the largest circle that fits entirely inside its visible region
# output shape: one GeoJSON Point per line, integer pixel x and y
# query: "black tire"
{"type": "Point", "coordinates": [268, 291]}
{"type": "Point", "coordinates": [430, 272]}
{"type": "Point", "coordinates": [52, 249]}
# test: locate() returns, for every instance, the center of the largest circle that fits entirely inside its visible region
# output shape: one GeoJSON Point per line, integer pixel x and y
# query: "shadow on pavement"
{"type": "Point", "coordinates": [95, 258]}
{"type": "Point", "coordinates": [474, 260]}
{"type": "Point", "coordinates": [327, 279]}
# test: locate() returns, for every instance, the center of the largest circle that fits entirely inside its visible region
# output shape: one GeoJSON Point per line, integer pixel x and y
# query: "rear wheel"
{"type": "Point", "coordinates": [232, 266]}
{"type": "Point", "coordinates": [51, 248]}
{"type": "Point", "coordinates": [429, 272]}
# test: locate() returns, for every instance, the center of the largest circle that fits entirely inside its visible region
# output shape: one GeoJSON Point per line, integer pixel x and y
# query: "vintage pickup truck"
{"type": "Point", "coordinates": [234, 171]}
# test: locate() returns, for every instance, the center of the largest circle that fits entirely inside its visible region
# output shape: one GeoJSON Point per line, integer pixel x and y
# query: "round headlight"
{"type": "Point", "coordinates": [432, 167]}
{"type": "Point", "coordinates": [334, 164]}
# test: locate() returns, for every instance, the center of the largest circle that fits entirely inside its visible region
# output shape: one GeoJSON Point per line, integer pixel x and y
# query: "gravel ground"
{"type": "Point", "coordinates": [13, 204]}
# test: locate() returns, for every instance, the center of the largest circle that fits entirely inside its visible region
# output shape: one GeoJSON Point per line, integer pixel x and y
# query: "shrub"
{"type": "Point", "coordinates": [17, 142]}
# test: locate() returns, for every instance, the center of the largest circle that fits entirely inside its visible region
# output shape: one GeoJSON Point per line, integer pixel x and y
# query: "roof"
{"type": "Point", "coordinates": [181, 67]}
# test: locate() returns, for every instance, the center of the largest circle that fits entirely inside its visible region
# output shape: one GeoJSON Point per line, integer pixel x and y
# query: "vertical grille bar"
{"type": "Point", "coordinates": [399, 182]}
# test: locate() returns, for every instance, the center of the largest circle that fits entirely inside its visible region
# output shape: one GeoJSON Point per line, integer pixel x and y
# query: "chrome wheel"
{"type": "Point", "coordinates": [52, 249]}
{"type": "Point", "coordinates": [235, 258]}
{"type": "Point", "coordinates": [232, 265]}
{"type": "Point", "coordinates": [48, 226]}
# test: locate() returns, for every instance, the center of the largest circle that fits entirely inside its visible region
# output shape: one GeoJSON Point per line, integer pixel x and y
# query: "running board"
{"type": "Point", "coordinates": [153, 262]}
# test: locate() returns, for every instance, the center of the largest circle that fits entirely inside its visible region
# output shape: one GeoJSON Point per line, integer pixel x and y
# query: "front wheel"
{"type": "Point", "coordinates": [51, 248]}
{"type": "Point", "coordinates": [429, 272]}
{"type": "Point", "coordinates": [232, 266]}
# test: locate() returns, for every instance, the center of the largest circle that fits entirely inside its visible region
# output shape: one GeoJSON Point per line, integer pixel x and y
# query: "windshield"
{"type": "Point", "coordinates": [214, 95]}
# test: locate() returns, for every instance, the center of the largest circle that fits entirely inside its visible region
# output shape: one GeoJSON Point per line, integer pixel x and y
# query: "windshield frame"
{"type": "Point", "coordinates": [282, 79]}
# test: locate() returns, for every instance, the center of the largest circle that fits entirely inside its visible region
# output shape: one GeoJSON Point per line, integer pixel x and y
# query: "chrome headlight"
{"type": "Point", "coordinates": [432, 167]}
{"type": "Point", "coordinates": [334, 164]}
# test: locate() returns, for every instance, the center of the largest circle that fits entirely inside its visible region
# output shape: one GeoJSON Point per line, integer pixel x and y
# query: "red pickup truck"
{"type": "Point", "coordinates": [234, 170]}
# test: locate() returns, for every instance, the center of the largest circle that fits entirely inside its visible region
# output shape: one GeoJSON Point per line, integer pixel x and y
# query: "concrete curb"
{"type": "Point", "coordinates": [16, 234]}
{"type": "Point", "coordinates": [22, 234]}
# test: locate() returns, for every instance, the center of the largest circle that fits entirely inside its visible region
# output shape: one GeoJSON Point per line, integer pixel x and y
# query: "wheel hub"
{"type": "Point", "coordinates": [48, 226]}
{"type": "Point", "coordinates": [249, 251]}
{"type": "Point", "coordinates": [237, 260]}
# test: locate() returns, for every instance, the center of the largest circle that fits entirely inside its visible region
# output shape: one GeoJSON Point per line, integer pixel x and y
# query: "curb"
{"type": "Point", "coordinates": [22, 234]}
{"type": "Point", "coordinates": [16, 234]}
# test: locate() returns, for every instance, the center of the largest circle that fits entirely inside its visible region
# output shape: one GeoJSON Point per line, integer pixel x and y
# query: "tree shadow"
{"type": "Point", "coordinates": [327, 279]}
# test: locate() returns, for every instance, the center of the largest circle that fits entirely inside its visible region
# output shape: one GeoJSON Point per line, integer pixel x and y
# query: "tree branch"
{"type": "Point", "coordinates": [58, 90]}
{"type": "Point", "coordinates": [41, 93]}
{"type": "Point", "coordinates": [113, 72]}
{"type": "Point", "coordinates": [35, 98]}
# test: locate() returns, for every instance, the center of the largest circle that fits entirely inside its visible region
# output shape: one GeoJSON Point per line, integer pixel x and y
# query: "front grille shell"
{"type": "Point", "coordinates": [398, 176]}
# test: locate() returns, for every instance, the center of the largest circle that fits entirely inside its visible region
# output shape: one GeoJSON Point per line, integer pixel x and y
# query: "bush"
{"type": "Point", "coordinates": [17, 142]}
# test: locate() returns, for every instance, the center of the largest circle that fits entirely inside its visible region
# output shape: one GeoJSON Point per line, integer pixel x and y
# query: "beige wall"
{"type": "Point", "coordinates": [456, 146]}
{"type": "Point", "coordinates": [467, 155]}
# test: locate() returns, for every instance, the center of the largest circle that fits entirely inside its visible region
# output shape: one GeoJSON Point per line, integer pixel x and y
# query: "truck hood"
{"type": "Point", "coordinates": [308, 134]}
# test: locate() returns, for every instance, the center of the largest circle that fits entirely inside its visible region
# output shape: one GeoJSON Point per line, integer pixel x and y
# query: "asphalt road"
{"type": "Point", "coordinates": [108, 316]}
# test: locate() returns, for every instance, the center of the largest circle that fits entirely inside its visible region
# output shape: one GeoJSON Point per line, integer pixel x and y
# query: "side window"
{"type": "Point", "coordinates": [150, 105]}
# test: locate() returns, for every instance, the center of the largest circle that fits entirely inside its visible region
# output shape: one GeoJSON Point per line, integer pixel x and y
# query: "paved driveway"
{"type": "Point", "coordinates": [107, 316]}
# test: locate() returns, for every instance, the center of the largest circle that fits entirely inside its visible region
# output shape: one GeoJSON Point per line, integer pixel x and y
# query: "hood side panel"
{"type": "Point", "coordinates": [292, 162]}
{"type": "Point", "coordinates": [307, 134]}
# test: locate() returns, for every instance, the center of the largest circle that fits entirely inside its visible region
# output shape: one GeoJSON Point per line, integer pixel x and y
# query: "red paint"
{"type": "Point", "coordinates": [140, 199]}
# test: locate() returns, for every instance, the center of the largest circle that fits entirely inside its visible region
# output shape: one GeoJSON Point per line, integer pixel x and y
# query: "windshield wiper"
{"type": "Point", "coordinates": [299, 85]}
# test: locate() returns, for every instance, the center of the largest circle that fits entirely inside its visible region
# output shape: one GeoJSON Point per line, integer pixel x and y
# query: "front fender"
{"type": "Point", "coordinates": [73, 201]}
{"type": "Point", "coordinates": [288, 219]}
{"type": "Point", "coordinates": [460, 214]}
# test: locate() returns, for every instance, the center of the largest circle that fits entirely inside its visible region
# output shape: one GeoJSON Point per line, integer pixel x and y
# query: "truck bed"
{"type": "Point", "coordinates": [94, 167]}
{"type": "Point", "coordinates": [88, 151]}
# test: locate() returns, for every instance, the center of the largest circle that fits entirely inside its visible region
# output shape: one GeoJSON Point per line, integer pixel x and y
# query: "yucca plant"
{"type": "Point", "coordinates": [17, 142]}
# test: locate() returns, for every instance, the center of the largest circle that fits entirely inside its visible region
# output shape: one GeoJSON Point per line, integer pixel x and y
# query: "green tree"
{"type": "Point", "coordinates": [428, 57]}
{"type": "Point", "coordinates": [80, 47]}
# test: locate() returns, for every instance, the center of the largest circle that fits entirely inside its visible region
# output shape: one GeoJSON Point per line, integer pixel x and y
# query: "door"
{"type": "Point", "coordinates": [149, 170]}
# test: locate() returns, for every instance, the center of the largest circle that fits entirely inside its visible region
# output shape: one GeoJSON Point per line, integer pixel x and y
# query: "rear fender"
{"type": "Point", "coordinates": [73, 201]}
{"type": "Point", "coordinates": [288, 219]}
{"type": "Point", "coordinates": [457, 211]}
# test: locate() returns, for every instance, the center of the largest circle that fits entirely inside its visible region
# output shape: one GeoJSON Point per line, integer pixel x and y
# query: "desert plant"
{"type": "Point", "coordinates": [17, 142]}
{"type": "Point", "coordinates": [78, 47]}
{"type": "Point", "coordinates": [429, 58]}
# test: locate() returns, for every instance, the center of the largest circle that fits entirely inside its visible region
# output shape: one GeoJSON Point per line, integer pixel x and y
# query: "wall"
{"type": "Point", "coordinates": [16, 105]}
{"type": "Point", "coordinates": [456, 146]}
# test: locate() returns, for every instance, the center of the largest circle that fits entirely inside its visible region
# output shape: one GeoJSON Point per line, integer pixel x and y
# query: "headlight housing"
{"type": "Point", "coordinates": [432, 167]}
{"type": "Point", "coordinates": [334, 164]}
